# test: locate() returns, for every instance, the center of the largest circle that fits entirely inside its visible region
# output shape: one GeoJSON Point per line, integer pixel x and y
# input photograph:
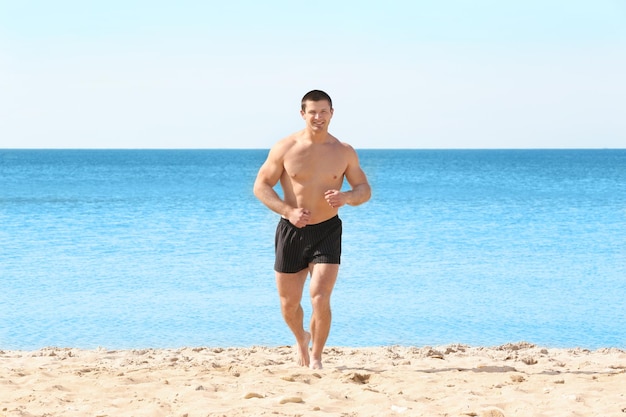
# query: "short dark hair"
{"type": "Point", "coordinates": [316, 95]}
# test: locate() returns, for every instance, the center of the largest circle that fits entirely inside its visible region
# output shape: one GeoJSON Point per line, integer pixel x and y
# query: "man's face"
{"type": "Point", "coordinates": [317, 114]}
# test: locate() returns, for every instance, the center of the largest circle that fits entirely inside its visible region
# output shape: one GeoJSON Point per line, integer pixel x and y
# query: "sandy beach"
{"type": "Point", "coordinates": [517, 379]}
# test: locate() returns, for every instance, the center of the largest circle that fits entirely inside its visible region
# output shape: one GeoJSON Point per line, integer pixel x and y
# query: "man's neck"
{"type": "Point", "coordinates": [315, 136]}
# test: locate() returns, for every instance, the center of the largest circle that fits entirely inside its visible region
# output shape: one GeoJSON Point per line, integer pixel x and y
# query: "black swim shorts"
{"type": "Point", "coordinates": [296, 247]}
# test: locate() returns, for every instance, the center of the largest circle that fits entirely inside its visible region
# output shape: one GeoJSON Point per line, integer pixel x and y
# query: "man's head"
{"type": "Point", "coordinates": [317, 110]}
{"type": "Point", "coordinates": [316, 95]}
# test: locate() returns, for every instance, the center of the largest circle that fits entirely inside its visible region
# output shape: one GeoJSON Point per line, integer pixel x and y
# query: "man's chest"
{"type": "Point", "coordinates": [314, 166]}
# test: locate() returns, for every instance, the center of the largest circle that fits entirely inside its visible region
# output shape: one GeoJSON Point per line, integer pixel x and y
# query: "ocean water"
{"type": "Point", "coordinates": [169, 248]}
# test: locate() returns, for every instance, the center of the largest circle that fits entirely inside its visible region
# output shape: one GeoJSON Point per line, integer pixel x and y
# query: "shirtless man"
{"type": "Point", "coordinates": [311, 165]}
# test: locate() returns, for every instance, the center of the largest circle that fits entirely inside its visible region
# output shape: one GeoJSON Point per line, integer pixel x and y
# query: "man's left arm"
{"type": "Point", "coordinates": [360, 191]}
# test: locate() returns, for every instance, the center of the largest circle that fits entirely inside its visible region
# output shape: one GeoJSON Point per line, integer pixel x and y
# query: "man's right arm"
{"type": "Point", "coordinates": [268, 176]}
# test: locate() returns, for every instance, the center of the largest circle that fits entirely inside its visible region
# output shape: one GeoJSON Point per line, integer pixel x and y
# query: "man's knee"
{"type": "Point", "coordinates": [320, 301]}
{"type": "Point", "coordinates": [289, 305]}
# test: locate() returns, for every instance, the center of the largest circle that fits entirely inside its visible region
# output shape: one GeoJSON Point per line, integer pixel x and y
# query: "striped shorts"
{"type": "Point", "coordinates": [296, 248]}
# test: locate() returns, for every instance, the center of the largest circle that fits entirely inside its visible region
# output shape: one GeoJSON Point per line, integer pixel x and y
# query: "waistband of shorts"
{"type": "Point", "coordinates": [312, 226]}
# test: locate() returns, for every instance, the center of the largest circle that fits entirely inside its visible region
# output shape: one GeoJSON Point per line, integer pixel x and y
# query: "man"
{"type": "Point", "coordinates": [311, 166]}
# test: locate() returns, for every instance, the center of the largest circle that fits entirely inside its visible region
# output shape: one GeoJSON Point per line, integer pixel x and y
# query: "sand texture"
{"type": "Point", "coordinates": [517, 379]}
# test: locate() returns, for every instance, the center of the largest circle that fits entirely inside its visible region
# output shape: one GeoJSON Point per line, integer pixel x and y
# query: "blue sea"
{"type": "Point", "coordinates": [168, 248]}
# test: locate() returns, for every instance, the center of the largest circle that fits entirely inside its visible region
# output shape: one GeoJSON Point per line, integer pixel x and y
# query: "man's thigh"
{"type": "Point", "coordinates": [323, 278]}
{"type": "Point", "coordinates": [290, 286]}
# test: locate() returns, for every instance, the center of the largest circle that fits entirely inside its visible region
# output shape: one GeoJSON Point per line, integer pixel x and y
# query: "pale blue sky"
{"type": "Point", "coordinates": [230, 74]}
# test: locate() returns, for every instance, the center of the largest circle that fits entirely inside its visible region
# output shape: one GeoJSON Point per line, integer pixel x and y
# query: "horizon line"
{"type": "Point", "coordinates": [261, 148]}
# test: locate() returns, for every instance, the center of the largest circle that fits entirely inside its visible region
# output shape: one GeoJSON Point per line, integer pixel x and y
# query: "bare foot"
{"type": "Point", "coordinates": [303, 350]}
{"type": "Point", "coordinates": [316, 364]}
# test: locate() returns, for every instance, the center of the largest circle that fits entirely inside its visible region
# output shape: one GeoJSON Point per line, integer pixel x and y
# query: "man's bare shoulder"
{"type": "Point", "coordinates": [283, 146]}
{"type": "Point", "coordinates": [346, 148]}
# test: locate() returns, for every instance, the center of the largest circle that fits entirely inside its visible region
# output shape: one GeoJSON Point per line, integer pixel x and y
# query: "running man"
{"type": "Point", "coordinates": [311, 165]}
